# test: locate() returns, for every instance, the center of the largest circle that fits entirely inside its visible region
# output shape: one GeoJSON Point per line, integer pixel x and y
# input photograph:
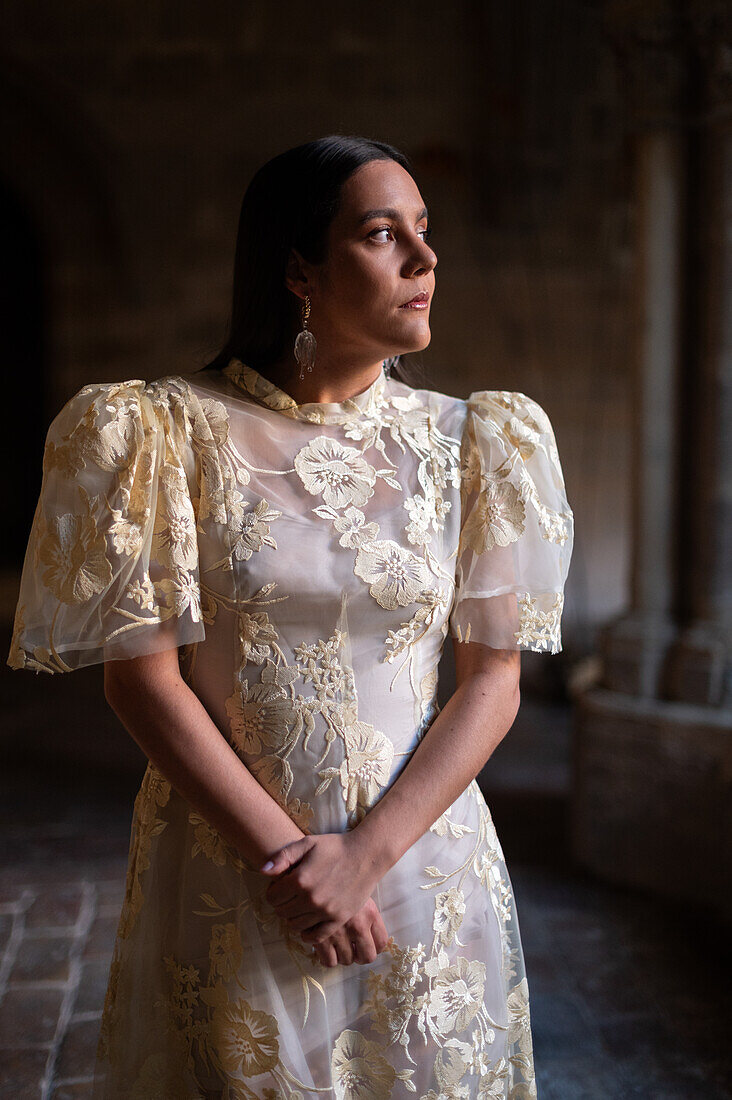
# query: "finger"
{"type": "Point", "coordinates": [343, 947]}
{"type": "Point", "coordinates": [294, 907]}
{"type": "Point", "coordinates": [326, 952]}
{"type": "Point", "coordinates": [276, 864]}
{"type": "Point", "coordinates": [379, 933]}
{"type": "Point", "coordinates": [318, 931]}
{"type": "Point", "coordinates": [304, 922]}
{"type": "Point", "coordinates": [283, 889]}
{"type": "Point", "coordinates": [382, 942]}
{"type": "Point", "coordinates": [281, 892]}
{"type": "Point", "coordinates": [378, 928]}
{"type": "Point", "coordinates": [286, 856]}
{"type": "Point", "coordinates": [325, 930]}
{"type": "Point", "coordinates": [364, 948]}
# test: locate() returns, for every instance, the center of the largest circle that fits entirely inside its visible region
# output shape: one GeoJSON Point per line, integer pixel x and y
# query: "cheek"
{"type": "Point", "coordinates": [364, 276]}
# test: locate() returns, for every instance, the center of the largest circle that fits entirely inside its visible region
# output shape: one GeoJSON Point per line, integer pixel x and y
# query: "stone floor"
{"type": "Point", "coordinates": [629, 997]}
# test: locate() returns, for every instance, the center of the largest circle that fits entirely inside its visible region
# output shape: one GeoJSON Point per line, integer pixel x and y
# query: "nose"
{"type": "Point", "coordinates": [424, 258]}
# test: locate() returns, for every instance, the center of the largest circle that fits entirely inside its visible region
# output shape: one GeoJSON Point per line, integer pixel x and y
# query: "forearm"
{"type": "Point", "coordinates": [474, 720]}
{"type": "Point", "coordinates": [175, 731]}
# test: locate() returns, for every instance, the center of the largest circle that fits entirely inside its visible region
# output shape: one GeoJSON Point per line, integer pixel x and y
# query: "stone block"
{"type": "Point", "coordinates": [43, 959]}
{"type": "Point", "coordinates": [100, 943]}
{"type": "Point", "coordinates": [652, 798]}
{"type": "Point", "coordinates": [21, 1072]}
{"type": "Point", "coordinates": [74, 1090]}
{"type": "Point", "coordinates": [29, 1017]}
{"type": "Point", "coordinates": [92, 985]}
{"type": "Point", "coordinates": [78, 1050]}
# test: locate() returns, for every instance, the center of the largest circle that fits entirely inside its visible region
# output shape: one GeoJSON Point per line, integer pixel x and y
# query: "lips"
{"type": "Point", "coordinates": [421, 298]}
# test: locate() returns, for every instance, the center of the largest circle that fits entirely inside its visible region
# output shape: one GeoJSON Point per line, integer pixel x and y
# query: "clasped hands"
{"type": "Point", "coordinates": [322, 887]}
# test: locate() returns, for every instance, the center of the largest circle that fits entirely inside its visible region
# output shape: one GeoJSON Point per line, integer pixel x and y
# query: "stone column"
{"type": "Point", "coordinates": [700, 667]}
{"type": "Point", "coordinates": [652, 66]}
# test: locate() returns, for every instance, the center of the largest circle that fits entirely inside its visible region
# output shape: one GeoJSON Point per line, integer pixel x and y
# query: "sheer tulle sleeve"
{"type": "Point", "coordinates": [111, 567]}
{"type": "Point", "coordinates": [517, 527]}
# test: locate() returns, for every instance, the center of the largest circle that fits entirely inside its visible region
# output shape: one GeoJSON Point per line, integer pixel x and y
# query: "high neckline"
{"type": "Point", "coordinates": [318, 412]}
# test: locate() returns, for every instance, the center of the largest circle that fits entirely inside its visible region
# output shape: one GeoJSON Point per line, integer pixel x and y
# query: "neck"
{"type": "Point", "coordinates": [330, 380]}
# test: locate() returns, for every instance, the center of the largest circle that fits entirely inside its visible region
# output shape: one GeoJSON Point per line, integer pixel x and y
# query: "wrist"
{"type": "Point", "coordinates": [374, 847]}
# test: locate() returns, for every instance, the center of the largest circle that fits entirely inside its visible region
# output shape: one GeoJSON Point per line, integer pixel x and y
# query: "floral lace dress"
{"type": "Point", "coordinates": [309, 561]}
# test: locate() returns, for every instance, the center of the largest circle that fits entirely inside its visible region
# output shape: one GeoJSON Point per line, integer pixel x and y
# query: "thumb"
{"type": "Point", "coordinates": [287, 856]}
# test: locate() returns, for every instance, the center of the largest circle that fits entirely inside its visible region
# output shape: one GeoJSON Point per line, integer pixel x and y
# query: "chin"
{"type": "Point", "coordinates": [415, 341]}
{"type": "Point", "coordinates": [421, 344]}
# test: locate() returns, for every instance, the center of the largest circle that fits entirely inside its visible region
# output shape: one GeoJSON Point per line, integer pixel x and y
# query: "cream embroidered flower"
{"type": "Point", "coordinates": [216, 421]}
{"type": "Point", "coordinates": [492, 1084]}
{"type": "Point", "coordinates": [367, 766]}
{"type": "Point", "coordinates": [540, 626]}
{"type": "Point", "coordinates": [457, 994]}
{"type": "Point", "coordinates": [142, 592]}
{"type": "Point", "coordinates": [126, 536]}
{"type": "Point", "coordinates": [396, 576]}
{"type": "Point", "coordinates": [249, 531]}
{"type": "Point", "coordinates": [360, 1072]}
{"type": "Point", "coordinates": [260, 715]}
{"type": "Point", "coordinates": [451, 1064]}
{"type": "Point", "coordinates": [180, 593]}
{"type": "Point", "coordinates": [421, 511]}
{"type": "Point", "coordinates": [483, 865]}
{"type": "Point", "coordinates": [449, 913]}
{"type": "Point", "coordinates": [479, 1057]}
{"type": "Point", "coordinates": [497, 518]}
{"type": "Point", "coordinates": [256, 632]}
{"type": "Point", "coordinates": [320, 664]}
{"type": "Point", "coordinates": [355, 530]}
{"type": "Point", "coordinates": [363, 427]}
{"type": "Point", "coordinates": [341, 475]}
{"type": "Point", "coordinates": [74, 551]}
{"type": "Point", "coordinates": [112, 446]}
{"type": "Point", "coordinates": [175, 543]}
{"type": "Point", "coordinates": [523, 434]}
{"type": "Point", "coordinates": [275, 775]}
{"type": "Point", "coordinates": [519, 1016]}
{"type": "Point", "coordinates": [244, 1039]}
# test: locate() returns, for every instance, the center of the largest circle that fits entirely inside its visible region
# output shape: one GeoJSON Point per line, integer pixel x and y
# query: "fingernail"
{"type": "Point", "coordinates": [268, 865]}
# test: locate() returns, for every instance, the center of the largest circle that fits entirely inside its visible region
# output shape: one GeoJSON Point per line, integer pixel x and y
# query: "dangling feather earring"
{"type": "Point", "coordinates": [389, 364]}
{"type": "Point", "coordinates": [305, 342]}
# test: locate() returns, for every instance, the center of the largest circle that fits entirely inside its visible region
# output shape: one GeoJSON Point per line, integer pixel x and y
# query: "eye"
{"type": "Point", "coordinates": [381, 229]}
{"type": "Point", "coordinates": [426, 233]}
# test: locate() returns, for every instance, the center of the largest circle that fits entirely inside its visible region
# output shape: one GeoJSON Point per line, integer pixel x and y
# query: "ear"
{"type": "Point", "coordinates": [296, 274]}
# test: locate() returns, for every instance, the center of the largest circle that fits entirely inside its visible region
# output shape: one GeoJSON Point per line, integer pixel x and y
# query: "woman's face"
{"type": "Point", "coordinates": [377, 260]}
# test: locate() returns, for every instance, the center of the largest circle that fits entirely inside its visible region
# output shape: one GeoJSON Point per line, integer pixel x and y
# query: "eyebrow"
{"type": "Point", "coordinates": [389, 212]}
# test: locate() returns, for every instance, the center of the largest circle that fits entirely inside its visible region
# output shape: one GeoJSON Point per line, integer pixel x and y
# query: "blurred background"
{"type": "Point", "coordinates": [576, 159]}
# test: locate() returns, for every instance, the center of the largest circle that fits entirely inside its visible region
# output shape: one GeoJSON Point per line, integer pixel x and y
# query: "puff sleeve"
{"type": "Point", "coordinates": [111, 567]}
{"type": "Point", "coordinates": [516, 528]}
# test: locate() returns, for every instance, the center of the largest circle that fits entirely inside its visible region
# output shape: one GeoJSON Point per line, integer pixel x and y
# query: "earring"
{"type": "Point", "coordinates": [305, 342]}
{"type": "Point", "coordinates": [389, 364]}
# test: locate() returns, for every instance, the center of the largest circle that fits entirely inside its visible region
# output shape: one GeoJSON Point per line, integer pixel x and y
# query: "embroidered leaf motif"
{"type": "Point", "coordinates": [327, 776]}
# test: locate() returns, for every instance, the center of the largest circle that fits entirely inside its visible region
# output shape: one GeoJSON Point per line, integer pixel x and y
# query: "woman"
{"type": "Point", "coordinates": [268, 559]}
